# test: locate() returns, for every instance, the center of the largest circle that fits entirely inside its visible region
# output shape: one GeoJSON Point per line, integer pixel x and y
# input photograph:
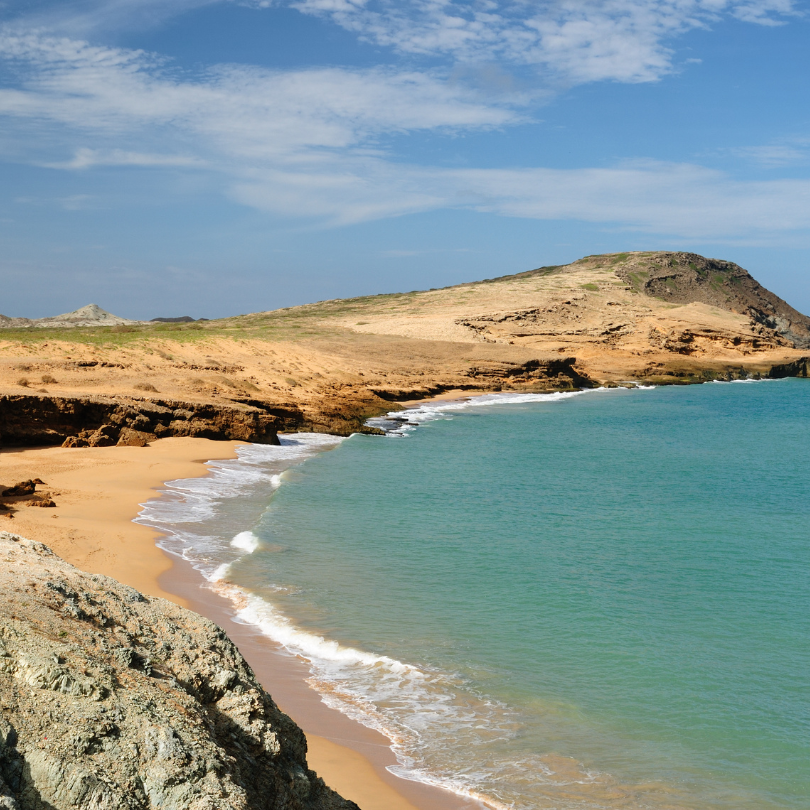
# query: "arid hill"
{"type": "Point", "coordinates": [603, 320]}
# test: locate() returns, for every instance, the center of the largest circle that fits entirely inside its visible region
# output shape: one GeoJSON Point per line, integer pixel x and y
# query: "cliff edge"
{"type": "Point", "coordinates": [112, 700]}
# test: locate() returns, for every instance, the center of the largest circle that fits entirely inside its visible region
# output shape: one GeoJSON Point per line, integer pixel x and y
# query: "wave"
{"type": "Point", "coordinates": [400, 423]}
{"type": "Point", "coordinates": [247, 541]}
{"type": "Point", "coordinates": [189, 508]}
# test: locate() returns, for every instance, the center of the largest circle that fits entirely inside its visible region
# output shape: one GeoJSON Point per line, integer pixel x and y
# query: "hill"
{"type": "Point", "coordinates": [617, 319]}
{"type": "Point", "coordinates": [90, 315]}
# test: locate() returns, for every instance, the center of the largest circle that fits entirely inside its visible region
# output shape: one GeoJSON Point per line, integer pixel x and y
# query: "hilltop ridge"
{"type": "Point", "coordinates": [614, 319]}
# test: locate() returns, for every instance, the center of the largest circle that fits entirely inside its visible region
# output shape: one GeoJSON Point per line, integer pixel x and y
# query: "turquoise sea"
{"type": "Point", "coordinates": [585, 601]}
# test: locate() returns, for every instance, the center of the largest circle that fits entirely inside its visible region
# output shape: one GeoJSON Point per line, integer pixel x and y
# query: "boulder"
{"type": "Point", "coordinates": [23, 488]}
{"type": "Point", "coordinates": [134, 438]}
{"type": "Point", "coordinates": [112, 700]}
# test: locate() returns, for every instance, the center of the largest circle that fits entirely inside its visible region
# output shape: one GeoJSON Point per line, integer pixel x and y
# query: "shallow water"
{"type": "Point", "coordinates": [586, 601]}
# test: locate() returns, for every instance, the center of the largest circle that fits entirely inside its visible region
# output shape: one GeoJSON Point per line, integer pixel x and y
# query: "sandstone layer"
{"type": "Point", "coordinates": [604, 320]}
{"type": "Point", "coordinates": [112, 700]}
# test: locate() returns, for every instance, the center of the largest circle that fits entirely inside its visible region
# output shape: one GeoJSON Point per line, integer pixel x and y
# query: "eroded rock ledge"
{"type": "Point", "coordinates": [43, 419]}
{"type": "Point", "coordinates": [112, 700]}
{"type": "Point", "coordinates": [100, 421]}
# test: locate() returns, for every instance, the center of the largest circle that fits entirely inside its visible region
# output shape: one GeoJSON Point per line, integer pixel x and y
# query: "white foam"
{"type": "Point", "coordinates": [220, 573]}
{"type": "Point", "coordinates": [747, 380]}
{"type": "Point", "coordinates": [196, 500]}
{"type": "Point", "coordinates": [400, 423]}
{"type": "Point", "coordinates": [415, 708]}
{"type": "Point", "coordinates": [247, 541]}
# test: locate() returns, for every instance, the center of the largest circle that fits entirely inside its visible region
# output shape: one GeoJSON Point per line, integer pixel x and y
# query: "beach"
{"type": "Point", "coordinates": [98, 492]}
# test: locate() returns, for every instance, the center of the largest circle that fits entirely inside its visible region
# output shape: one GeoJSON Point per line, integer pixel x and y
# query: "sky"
{"type": "Point", "coordinates": [216, 157]}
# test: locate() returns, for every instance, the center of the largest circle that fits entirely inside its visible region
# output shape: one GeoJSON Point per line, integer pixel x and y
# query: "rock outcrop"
{"type": "Point", "coordinates": [798, 368]}
{"type": "Point", "coordinates": [99, 422]}
{"type": "Point", "coordinates": [90, 315]}
{"type": "Point", "coordinates": [112, 700]}
{"type": "Point", "coordinates": [42, 419]}
{"type": "Point", "coordinates": [686, 278]}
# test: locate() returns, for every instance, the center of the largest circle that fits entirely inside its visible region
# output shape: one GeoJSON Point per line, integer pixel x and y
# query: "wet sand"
{"type": "Point", "coordinates": [97, 493]}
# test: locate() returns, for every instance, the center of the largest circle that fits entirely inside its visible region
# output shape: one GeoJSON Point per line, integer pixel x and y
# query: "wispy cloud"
{"type": "Point", "coordinates": [680, 200]}
{"type": "Point", "coordinates": [795, 152]}
{"type": "Point", "coordinates": [619, 40]}
{"type": "Point", "coordinates": [83, 18]}
{"type": "Point", "coordinates": [237, 110]}
{"type": "Point", "coordinates": [663, 198]}
{"type": "Point", "coordinates": [88, 158]}
{"type": "Point", "coordinates": [312, 143]}
{"type": "Point", "coordinates": [573, 40]}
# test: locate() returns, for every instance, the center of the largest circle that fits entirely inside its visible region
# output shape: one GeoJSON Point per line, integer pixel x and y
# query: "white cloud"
{"type": "Point", "coordinates": [88, 158]}
{"type": "Point", "coordinates": [310, 144]}
{"type": "Point", "coordinates": [619, 40]}
{"type": "Point", "coordinates": [81, 18]}
{"type": "Point", "coordinates": [679, 199]}
{"type": "Point", "coordinates": [573, 40]}
{"type": "Point", "coordinates": [236, 111]}
{"type": "Point", "coordinates": [774, 156]}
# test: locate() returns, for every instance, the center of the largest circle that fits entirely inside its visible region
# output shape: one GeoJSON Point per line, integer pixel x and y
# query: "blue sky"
{"type": "Point", "coordinates": [212, 157]}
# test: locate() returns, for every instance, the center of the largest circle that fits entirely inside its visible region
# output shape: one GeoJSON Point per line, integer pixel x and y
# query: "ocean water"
{"type": "Point", "coordinates": [598, 600]}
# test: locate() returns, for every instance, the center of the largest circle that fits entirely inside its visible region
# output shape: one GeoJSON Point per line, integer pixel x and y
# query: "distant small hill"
{"type": "Point", "coordinates": [90, 315]}
{"type": "Point", "coordinates": [181, 319]}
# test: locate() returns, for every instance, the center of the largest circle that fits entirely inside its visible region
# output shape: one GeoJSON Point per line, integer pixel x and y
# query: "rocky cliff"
{"type": "Point", "coordinates": [40, 419]}
{"type": "Point", "coordinates": [112, 700]}
{"type": "Point", "coordinates": [687, 278]}
{"type": "Point", "coordinates": [100, 422]}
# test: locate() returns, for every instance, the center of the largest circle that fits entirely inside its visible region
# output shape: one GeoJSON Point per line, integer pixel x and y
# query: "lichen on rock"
{"type": "Point", "coordinates": [113, 700]}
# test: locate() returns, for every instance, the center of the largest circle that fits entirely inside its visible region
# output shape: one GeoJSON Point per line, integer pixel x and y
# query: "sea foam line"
{"type": "Point", "coordinates": [400, 423]}
{"type": "Point", "coordinates": [414, 708]}
{"type": "Point", "coordinates": [405, 703]}
{"type": "Point", "coordinates": [408, 705]}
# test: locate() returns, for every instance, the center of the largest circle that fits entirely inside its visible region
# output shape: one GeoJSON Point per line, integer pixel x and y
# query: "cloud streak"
{"type": "Point", "coordinates": [578, 42]}
{"type": "Point", "coordinates": [313, 143]}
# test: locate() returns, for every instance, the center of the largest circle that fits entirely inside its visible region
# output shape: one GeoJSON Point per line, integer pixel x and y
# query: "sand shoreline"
{"type": "Point", "coordinates": [98, 492]}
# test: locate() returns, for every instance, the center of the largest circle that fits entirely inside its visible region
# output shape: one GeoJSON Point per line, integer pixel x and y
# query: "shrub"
{"type": "Point", "coordinates": [145, 386]}
{"type": "Point", "coordinates": [48, 380]}
{"type": "Point", "coordinates": [23, 381]}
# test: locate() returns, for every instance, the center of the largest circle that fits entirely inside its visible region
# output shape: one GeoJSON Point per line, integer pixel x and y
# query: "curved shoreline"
{"type": "Point", "coordinates": [199, 575]}
{"type": "Point", "coordinates": [98, 493]}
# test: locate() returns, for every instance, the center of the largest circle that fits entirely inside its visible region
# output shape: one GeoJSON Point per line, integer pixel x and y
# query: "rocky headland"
{"type": "Point", "coordinates": [113, 700]}
{"type": "Point", "coordinates": [616, 319]}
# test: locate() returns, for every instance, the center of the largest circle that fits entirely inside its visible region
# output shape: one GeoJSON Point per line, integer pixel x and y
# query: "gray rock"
{"type": "Point", "coordinates": [113, 700]}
